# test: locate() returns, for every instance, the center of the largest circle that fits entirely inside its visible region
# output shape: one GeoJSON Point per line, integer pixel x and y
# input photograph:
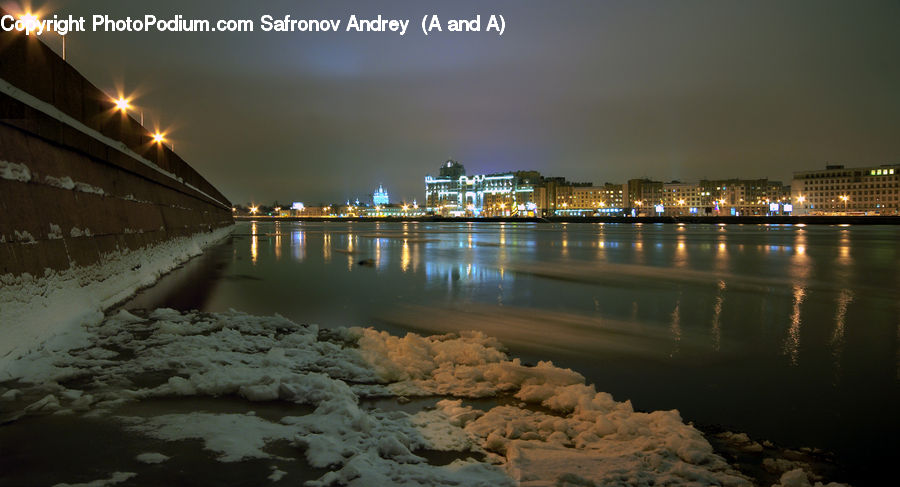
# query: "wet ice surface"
{"type": "Point", "coordinates": [228, 398]}
{"type": "Point", "coordinates": [783, 332]}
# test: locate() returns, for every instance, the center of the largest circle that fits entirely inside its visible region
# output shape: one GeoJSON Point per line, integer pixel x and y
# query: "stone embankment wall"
{"type": "Point", "coordinates": [79, 179]}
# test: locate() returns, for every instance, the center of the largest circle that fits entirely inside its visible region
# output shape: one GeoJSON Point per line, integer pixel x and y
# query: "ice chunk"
{"type": "Point", "coordinates": [798, 478]}
{"type": "Point", "coordinates": [233, 436]}
{"type": "Point", "coordinates": [151, 457]}
{"type": "Point", "coordinates": [276, 474]}
{"type": "Point", "coordinates": [116, 478]}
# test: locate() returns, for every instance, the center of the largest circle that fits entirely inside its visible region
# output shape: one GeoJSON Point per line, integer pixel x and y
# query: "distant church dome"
{"type": "Point", "coordinates": [380, 197]}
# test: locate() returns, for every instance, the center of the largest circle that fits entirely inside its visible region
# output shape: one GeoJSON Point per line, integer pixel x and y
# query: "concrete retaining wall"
{"type": "Point", "coordinates": [79, 179]}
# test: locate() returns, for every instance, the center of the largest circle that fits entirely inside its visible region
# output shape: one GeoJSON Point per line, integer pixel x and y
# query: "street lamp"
{"type": "Point", "coordinates": [30, 22]}
{"type": "Point", "coordinates": [254, 209]}
{"type": "Point", "coordinates": [122, 104]}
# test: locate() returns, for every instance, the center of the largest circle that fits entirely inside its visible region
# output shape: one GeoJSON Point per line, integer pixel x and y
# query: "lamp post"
{"type": "Point", "coordinates": [122, 104]}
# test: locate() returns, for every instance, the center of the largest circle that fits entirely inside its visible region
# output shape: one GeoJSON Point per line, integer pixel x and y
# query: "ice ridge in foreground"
{"type": "Point", "coordinates": [551, 429]}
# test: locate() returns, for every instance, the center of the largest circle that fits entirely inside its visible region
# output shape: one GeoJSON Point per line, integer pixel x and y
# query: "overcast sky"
{"type": "Point", "coordinates": [590, 90]}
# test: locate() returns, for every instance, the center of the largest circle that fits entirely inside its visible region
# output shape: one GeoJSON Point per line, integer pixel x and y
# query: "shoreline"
{"type": "Point", "coordinates": [682, 220]}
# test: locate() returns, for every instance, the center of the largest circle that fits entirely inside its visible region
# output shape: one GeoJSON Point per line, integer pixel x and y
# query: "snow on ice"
{"type": "Point", "coordinates": [31, 306]}
{"type": "Point", "coordinates": [550, 429]}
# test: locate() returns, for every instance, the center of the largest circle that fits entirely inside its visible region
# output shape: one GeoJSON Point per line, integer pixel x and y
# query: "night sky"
{"type": "Point", "coordinates": [590, 90]}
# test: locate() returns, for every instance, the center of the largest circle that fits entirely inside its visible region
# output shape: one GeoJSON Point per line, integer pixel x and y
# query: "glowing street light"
{"type": "Point", "coordinates": [122, 104]}
{"type": "Point", "coordinates": [159, 138]}
{"type": "Point", "coordinates": [801, 199]}
{"type": "Point", "coordinates": [30, 22]}
{"type": "Point", "coordinates": [254, 209]}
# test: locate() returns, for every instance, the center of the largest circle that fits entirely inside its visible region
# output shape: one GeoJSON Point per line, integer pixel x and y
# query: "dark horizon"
{"type": "Point", "coordinates": [598, 91]}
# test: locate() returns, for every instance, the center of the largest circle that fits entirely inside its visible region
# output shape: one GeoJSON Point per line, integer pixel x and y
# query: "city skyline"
{"type": "Point", "coordinates": [455, 192]}
{"type": "Point", "coordinates": [599, 91]}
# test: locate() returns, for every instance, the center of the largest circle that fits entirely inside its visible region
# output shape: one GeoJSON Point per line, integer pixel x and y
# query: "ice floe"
{"type": "Point", "coordinates": [541, 424]}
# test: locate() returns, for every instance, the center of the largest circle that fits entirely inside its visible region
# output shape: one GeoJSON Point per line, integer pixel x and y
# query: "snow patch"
{"type": "Point", "coordinates": [276, 474]}
{"type": "Point", "coordinates": [55, 232]}
{"type": "Point", "coordinates": [116, 478]}
{"type": "Point", "coordinates": [54, 308]}
{"type": "Point", "coordinates": [560, 430]}
{"type": "Point", "coordinates": [76, 232]}
{"type": "Point", "coordinates": [14, 172]}
{"type": "Point", "coordinates": [87, 188]}
{"type": "Point", "coordinates": [234, 436]}
{"type": "Point", "coordinates": [798, 478]}
{"type": "Point", "coordinates": [24, 237]}
{"type": "Point", "coordinates": [64, 182]}
{"type": "Point", "coordinates": [151, 458]}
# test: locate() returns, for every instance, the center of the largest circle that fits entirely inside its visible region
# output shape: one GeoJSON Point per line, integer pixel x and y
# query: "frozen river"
{"type": "Point", "coordinates": [787, 333]}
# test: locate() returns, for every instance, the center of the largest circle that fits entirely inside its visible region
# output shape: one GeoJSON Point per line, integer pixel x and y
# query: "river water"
{"type": "Point", "coordinates": [787, 333]}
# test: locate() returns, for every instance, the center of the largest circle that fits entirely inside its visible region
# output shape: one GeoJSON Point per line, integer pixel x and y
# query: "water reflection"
{"type": "Point", "coordinates": [717, 313]}
{"type": "Point", "coordinates": [844, 248]}
{"type": "Point", "coordinates": [681, 251]}
{"type": "Point", "coordinates": [837, 336]}
{"type": "Point", "coordinates": [254, 243]}
{"type": "Point", "coordinates": [404, 256]}
{"type": "Point", "coordinates": [298, 244]}
{"type": "Point", "coordinates": [792, 342]}
{"type": "Point", "coordinates": [722, 252]}
{"type": "Point", "coordinates": [326, 247]}
{"type": "Point", "coordinates": [350, 250]}
{"type": "Point", "coordinates": [277, 240]}
{"type": "Point", "coordinates": [378, 261]}
{"type": "Point", "coordinates": [675, 328]}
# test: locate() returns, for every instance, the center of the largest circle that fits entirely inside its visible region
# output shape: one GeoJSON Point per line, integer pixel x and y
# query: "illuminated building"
{"type": "Point", "coordinates": [870, 190]}
{"type": "Point", "coordinates": [453, 193]}
{"type": "Point", "coordinates": [722, 197]}
{"type": "Point", "coordinates": [585, 199]}
{"type": "Point", "coordinates": [745, 197]}
{"type": "Point", "coordinates": [380, 197]}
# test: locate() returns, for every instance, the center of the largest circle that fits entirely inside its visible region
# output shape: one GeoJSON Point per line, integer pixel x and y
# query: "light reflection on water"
{"type": "Point", "coordinates": [254, 242]}
{"type": "Point", "coordinates": [720, 322]}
